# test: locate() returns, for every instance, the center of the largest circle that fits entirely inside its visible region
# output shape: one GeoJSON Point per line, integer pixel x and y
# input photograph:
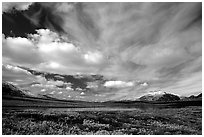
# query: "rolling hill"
{"type": "Point", "coordinates": [11, 90]}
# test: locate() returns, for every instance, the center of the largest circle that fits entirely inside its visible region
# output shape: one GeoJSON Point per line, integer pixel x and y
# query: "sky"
{"type": "Point", "coordinates": [137, 47]}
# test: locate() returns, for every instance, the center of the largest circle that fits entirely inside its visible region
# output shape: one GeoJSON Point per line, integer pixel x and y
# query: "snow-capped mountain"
{"type": "Point", "coordinates": [159, 96]}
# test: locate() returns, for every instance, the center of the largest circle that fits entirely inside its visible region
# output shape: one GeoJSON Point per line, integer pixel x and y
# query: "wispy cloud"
{"type": "Point", "coordinates": [159, 44]}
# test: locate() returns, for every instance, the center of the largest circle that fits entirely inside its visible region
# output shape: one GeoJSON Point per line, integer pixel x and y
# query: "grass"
{"type": "Point", "coordinates": [173, 121]}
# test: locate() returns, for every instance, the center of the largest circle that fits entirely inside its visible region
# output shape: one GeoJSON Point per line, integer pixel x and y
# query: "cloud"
{"type": "Point", "coordinates": [16, 69]}
{"type": "Point", "coordinates": [159, 39]}
{"type": "Point", "coordinates": [93, 85]}
{"type": "Point", "coordinates": [118, 84]}
{"type": "Point", "coordinates": [82, 93]}
{"type": "Point", "coordinates": [43, 90]}
{"type": "Point", "coordinates": [144, 84]}
{"type": "Point", "coordinates": [52, 92]}
{"type": "Point", "coordinates": [78, 89]}
{"type": "Point", "coordinates": [69, 96]}
{"type": "Point", "coordinates": [13, 83]}
{"type": "Point", "coordinates": [187, 85]}
{"type": "Point", "coordinates": [59, 92]}
{"type": "Point", "coordinates": [69, 88]}
{"type": "Point", "coordinates": [47, 51]}
{"type": "Point", "coordinates": [57, 83]}
{"type": "Point", "coordinates": [93, 57]}
{"type": "Point", "coordinates": [159, 43]}
{"type": "Point", "coordinates": [37, 85]}
{"type": "Point", "coordinates": [48, 42]}
{"type": "Point", "coordinates": [48, 83]}
{"type": "Point", "coordinates": [7, 6]}
{"type": "Point", "coordinates": [60, 55]}
{"type": "Point", "coordinates": [20, 51]}
{"type": "Point", "coordinates": [15, 74]}
{"type": "Point", "coordinates": [54, 65]}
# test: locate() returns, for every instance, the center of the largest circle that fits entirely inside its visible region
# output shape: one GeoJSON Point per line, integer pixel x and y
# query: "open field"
{"type": "Point", "coordinates": [102, 121]}
{"type": "Point", "coordinates": [28, 102]}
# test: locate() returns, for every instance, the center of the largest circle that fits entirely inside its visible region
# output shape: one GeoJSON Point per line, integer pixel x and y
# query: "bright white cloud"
{"type": "Point", "coordinates": [156, 92]}
{"type": "Point", "coordinates": [93, 57]}
{"type": "Point", "coordinates": [51, 84]}
{"type": "Point", "coordinates": [43, 90]}
{"type": "Point", "coordinates": [13, 83]}
{"type": "Point", "coordinates": [82, 93]}
{"type": "Point", "coordinates": [144, 84]}
{"type": "Point", "coordinates": [69, 88]}
{"type": "Point", "coordinates": [49, 42]}
{"type": "Point", "coordinates": [118, 84]}
{"type": "Point", "coordinates": [16, 69]}
{"type": "Point", "coordinates": [59, 92]}
{"type": "Point", "coordinates": [37, 85]}
{"type": "Point", "coordinates": [92, 84]}
{"type": "Point", "coordinates": [79, 89]}
{"type": "Point", "coordinates": [52, 92]}
{"type": "Point", "coordinates": [41, 79]}
{"type": "Point", "coordinates": [56, 47]}
{"type": "Point", "coordinates": [57, 82]}
{"type": "Point", "coordinates": [20, 51]}
{"type": "Point", "coordinates": [7, 6]}
{"type": "Point", "coordinates": [54, 65]}
{"type": "Point", "coordinates": [16, 74]}
{"type": "Point", "coordinates": [45, 50]}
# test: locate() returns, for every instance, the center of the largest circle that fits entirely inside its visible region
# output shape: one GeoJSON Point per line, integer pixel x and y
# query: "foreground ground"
{"type": "Point", "coordinates": [187, 120]}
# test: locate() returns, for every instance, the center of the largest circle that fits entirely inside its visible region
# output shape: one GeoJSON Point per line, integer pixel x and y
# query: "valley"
{"type": "Point", "coordinates": [23, 114]}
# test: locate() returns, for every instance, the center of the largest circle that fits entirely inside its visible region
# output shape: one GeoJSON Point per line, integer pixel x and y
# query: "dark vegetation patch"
{"type": "Point", "coordinates": [173, 121]}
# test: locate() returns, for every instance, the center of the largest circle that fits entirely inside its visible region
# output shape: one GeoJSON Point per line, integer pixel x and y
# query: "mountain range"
{"type": "Point", "coordinates": [9, 90]}
{"type": "Point", "coordinates": [160, 96]}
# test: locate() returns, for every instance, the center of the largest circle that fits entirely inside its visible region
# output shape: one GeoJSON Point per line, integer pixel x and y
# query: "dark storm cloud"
{"type": "Point", "coordinates": [16, 25]}
{"type": "Point", "coordinates": [43, 16]}
{"type": "Point", "coordinates": [20, 23]}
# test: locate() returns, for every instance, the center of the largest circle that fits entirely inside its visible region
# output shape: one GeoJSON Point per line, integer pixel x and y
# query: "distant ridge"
{"type": "Point", "coordinates": [10, 90]}
{"type": "Point", "coordinates": [196, 97]}
{"type": "Point", "coordinates": [193, 97]}
{"type": "Point", "coordinates": [161, 96]}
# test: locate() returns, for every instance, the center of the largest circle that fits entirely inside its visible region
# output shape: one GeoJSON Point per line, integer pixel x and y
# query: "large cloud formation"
{"type": "Point", "coordinates": [155, 43]}
{"type": "Point", "coordinates": [8, 6]}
